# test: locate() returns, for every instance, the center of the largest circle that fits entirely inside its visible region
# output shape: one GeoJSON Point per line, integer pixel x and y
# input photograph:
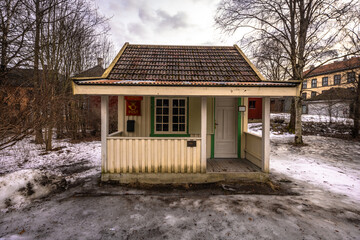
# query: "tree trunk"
{"type": "Point", "coordinates": [291, 126]}
{"type": "Point", "coordinates": [298, 126]}
{"type": "Point", "coordinates": [355, 130]}
{"type": "Point", "coordinates": [37, 85]}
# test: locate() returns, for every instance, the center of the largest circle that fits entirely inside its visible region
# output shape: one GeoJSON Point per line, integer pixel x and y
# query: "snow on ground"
{"type": "Point", "coordinates": [325, 174]}
{"type": "Point", "coordinates": [313, 118]}
{"type": "Point", "coordinates": [26, 167]}
{"type": "Point", "coordinates": [333, 164]}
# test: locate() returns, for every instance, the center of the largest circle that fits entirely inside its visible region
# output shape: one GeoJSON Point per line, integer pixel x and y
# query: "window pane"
{"type": "Point", "coordinates": [158, 111]}
{"type": "Point", "coordinates": [175, 127]}
{"type": "Point", "coordinates": [182, 102]}
{"type": "Point", "coordinates": [181, 127]}
{"type": "Point", "coordinates": [166, 102]}
{"type": "Point", "coordinates": [158, 119]}
{"type": "Point", "coordinates": [175, 111]}
{"type": "Point", "coordinates": [158, 127]}
{"type": "Point", "coordinates": [182, 119]}
{"type": "Point", "coordinates": [175, 119]}
{"type": "Point", "coordinates": [251, 104]}
{"type": "Point", "coordinates": [175, 103]}
{"type": "Point", "coordinates": [182, 110]}
{"type": "Point", "coordinates": [165, 119]}
{"type": "Point", "coordinates": [166, 111]}
{"type": "Point", "coordinates": [165, 127]}
{"type": "Point", "coordinates": [158, 102]}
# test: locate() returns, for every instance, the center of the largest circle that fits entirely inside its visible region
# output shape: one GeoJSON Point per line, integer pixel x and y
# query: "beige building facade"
{"type": "Point", "coordinates": [340, 74]}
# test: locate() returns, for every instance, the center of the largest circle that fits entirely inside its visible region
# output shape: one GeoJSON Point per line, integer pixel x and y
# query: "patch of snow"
{"type": "Point", "coordinates": [312, 118]}
{"type": "Point", "coordinates": [21, 187]}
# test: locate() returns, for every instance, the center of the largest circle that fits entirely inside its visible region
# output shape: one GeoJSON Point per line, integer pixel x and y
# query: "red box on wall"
{"type": "Point", "coordinates": [133, 105]}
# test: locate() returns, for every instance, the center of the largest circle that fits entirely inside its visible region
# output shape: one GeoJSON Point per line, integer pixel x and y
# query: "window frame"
{"type": "Point", "coordinates": [313, 83]}
{"type": "Point", "coordinates": [250, 105]}
{"type": "Point", "coordinates": [323, 81]}
{"type": "Point", "coordinates": [339, 79]}
{"type": "Point", "coordinates": [351, 80]}
{"type": "Point", "coordinates": [170, 132]}
{"type": "Point", "coordinates": [304, 84]}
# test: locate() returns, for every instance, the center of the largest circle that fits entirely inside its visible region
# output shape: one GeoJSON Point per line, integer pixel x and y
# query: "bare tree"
{"type": "Point", "coordinates": [306, 30]}
{"type": "Point", "coordinates": [14, 29]}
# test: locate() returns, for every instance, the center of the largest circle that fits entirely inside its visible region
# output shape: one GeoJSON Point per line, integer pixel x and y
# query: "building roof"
{"type": "Point", "coordinates": [181, 66]}
{"type": "Point", "coordinates": [335, 94]}
{"type": "Point", "coordinates": [96, 71]}
{"type": "Point", "coordinates": [337, 66]}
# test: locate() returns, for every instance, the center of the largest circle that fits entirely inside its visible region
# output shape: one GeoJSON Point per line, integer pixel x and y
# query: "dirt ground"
{"type": "Point", "coordinates": [90, 210]}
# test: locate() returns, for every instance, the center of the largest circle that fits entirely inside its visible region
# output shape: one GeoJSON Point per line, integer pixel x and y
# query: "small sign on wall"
{"type": "Point", "coordinates": [242, 109]}
{"type": "Point", "coordinates": [191, 143]}
{"type": "Point", "coordinates": [133, 105]}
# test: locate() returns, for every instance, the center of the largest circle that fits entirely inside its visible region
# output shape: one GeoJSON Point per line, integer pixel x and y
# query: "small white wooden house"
{"type": "Point", "coordinates": [182, 114]}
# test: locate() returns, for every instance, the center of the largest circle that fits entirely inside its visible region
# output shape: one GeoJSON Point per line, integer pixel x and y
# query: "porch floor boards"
{"type": "Point", "coordinates": [230, 165]}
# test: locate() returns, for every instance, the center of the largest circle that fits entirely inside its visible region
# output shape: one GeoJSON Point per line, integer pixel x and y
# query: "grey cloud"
{"type": "Point", "coordinates": [176, 21]}
{"type": "Point", "coordinates": [137, 29]}
{"type": "Point", "coordinates": [161, 19]}
{"type": "Point", "coordinates": [145, 15]}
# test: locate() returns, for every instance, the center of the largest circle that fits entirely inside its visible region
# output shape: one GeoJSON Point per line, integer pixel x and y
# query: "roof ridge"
{"type": "Point", "coordinates": [167, 45]}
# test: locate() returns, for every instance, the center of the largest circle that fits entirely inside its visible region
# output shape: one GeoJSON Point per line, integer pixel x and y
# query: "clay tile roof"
{"type": "Point", "coordinates": [337, 66]}
{"type": "Point", "coordinates": [181, 65]}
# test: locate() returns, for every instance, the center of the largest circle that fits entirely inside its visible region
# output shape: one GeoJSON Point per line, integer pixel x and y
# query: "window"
{"type": "Point", "coordinates": [304, 109]}
{"type": "Point", "coordinates": [252, 104]}
{"type": "Point", "coordinates": [303, 95]}
{"type": "Point", "coordinates": [170, 115]}
{"type": "Point", "coordinates": [313, 83]}
{"type": "Point", "coordinates": [351, 77]}
{"type": "Point", "coordinates": [337, 79]}
{"type": "Point", "coordinates": [304, 84]}
{"type": "Point", "coordinates": [325, 81]}
{"type": "Point", "coordinates": [313, 94]}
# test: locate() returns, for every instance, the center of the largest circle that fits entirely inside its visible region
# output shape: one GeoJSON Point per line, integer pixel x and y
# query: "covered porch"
{"type": "Point", "coordinates": [145, 155]}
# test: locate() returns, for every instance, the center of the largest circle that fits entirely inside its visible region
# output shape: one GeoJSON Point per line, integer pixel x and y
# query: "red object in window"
{"type": "Point", "coordinates": [255, 108]}
{"type": "Point", "coordinates": [133, 105]}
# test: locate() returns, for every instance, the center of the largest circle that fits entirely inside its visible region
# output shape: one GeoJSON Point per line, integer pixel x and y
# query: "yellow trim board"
{"type": "Point", "coordinates": [262, 78]}
{"type": "Point", "coordinates": [186, 91]}
{"type": "Point", "coordinates": [108, 70]}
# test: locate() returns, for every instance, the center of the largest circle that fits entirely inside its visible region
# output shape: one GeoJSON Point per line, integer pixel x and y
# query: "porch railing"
{"type": "Point", "coordinates": [253, 148]}
{"type": "Point", "coordinates": [152, 155]}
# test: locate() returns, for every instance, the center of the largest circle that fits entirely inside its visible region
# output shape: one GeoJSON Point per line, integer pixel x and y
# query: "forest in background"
{"type": "Point", "coordinates": [43, 44]}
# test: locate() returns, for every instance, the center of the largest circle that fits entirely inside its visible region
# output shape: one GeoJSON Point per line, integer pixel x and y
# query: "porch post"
{"type": "Point", "coordinates": [121, 111]}
{"type": "Point", "coordinates": [265, 134]}
{"type": "Point", "coordinates": [104, 129]}
{"type": "Point", "coordinates": [203, 133]}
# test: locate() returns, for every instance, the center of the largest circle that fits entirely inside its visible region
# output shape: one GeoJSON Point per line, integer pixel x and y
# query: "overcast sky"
{"type": "Point", "coordinates": [182, 22]}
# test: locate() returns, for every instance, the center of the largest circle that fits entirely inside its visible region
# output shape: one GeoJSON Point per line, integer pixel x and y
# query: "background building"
{"type": "Point", "coordinates": [339, 74]}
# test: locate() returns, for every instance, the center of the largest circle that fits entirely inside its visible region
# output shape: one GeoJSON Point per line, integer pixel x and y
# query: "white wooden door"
{"type": "Point", "coordinates": [226, 128]}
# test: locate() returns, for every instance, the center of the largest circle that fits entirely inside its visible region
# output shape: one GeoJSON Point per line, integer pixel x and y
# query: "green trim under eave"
{"type": "Point", "coordinates": [212, 146]}
{"type": "Point", "coordinates": [212, 154]}
{"type": "Point", "coordinates": [239, 130]}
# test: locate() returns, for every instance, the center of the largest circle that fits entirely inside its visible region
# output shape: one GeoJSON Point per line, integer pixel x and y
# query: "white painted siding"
{"type": "Point", "coordinates": [253, 148]}
{"type": "Point", "coordinates": [152, 155]}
